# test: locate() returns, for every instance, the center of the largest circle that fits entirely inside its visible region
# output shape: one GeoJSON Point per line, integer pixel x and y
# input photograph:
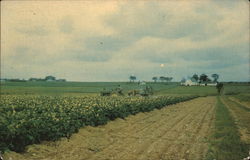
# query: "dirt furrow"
{"type": "Point", "coordinates": [135, 132]}
{"type": "Point", "coordinates": [150, 132]}
{"type": "Point", "coordinates": [186, 136]}
{"type": "Point", "coordinates": [245, 104]}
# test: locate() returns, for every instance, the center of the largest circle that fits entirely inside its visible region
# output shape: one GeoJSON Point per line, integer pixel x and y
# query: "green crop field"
{"type": "Point", "coordinates": [31, 112]}
{"type": "Point", "coordinates": [94, 88]}
{"type": "Point", "coordinates": [59, 88]}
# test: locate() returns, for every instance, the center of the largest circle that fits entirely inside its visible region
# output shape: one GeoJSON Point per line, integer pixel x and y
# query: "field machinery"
{"type": "Point", "coordinates": [143, 91]}
{"type": "Point", "coordinates": [117, 91]}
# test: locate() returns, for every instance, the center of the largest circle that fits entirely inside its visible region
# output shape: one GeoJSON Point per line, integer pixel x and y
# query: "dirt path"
{"type": "Point", "coordinates": [176, 132]}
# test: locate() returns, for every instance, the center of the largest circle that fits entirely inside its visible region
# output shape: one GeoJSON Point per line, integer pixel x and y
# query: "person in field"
{"type": "Point", "coordinates": [119, 90]}
{"type": "Point", "coordinates": [219, 87]}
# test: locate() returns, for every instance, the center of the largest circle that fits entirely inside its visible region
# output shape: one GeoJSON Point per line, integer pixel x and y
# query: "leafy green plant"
{"type": "Point", "coordinates": [31, 119]}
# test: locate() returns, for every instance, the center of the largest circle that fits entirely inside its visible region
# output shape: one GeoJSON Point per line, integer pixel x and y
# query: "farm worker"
{"type": "Point", "coordinates": [119, 89]}
{"type": "Point", "coordinates": [219, 87]}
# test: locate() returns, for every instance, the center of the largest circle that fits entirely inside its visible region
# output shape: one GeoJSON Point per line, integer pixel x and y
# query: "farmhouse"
{"type": "Point", "coordinates": [193, 82]}
{"type": "Point", "coordinates": [208, 84]}
{"type": "Point", "coordinates": [189, 82]}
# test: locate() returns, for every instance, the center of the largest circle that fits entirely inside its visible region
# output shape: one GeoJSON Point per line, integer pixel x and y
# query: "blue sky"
{"type": "Point", "coordinates": [109, 41]}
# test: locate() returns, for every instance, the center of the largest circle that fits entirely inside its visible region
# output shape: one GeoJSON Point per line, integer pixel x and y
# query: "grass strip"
{"type": "Point", "coordinates": [225, 142]}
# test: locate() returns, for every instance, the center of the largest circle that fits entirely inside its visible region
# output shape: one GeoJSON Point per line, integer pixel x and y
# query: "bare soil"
{"type": "Point", "coordinates": [245, 104]}
{"type": "Point", "coordinates": [175, 132]}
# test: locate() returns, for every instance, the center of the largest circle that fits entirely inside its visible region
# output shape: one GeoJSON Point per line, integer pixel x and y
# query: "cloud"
{"type": "Point", "coordinates": [108, 41]}
{"type": "Point", "coordinates": [87, 56]}
{"type": "Point", "coordinates": [66, 24]}
{"type": "Point", "coordinates": [35, 30]}
{"type": "Point", "coordinates": [232, 55]}
{"type": "Point", "coordinates": [165, 19]}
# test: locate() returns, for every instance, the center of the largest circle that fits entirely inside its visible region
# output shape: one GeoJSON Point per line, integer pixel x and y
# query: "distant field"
{"type": "Point", "coordinates": [71, 87]}
{"type": "Point", "coordinates": [94, 88]}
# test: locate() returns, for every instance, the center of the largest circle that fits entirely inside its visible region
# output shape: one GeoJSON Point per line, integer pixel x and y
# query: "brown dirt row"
{"type": "Point", "coordinates": [178, 131]}
{"type": "Point", "coordinates": [245, 104]}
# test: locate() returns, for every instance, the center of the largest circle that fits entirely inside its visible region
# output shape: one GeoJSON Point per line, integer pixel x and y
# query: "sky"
{"type": "Point", "coordinates": [111, 40]}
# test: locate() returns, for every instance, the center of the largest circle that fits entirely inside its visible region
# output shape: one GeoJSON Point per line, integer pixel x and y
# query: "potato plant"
{"type": "Point", "coordinates": [27, 120]}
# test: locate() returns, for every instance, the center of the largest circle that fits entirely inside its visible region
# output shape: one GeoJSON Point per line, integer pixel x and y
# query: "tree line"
{"type": "Point", "coordinates": [162, 79]}
{"type": "Point", "coordinates": [204, 78]}
{"type": "Point", "coordinates": [155, 79]}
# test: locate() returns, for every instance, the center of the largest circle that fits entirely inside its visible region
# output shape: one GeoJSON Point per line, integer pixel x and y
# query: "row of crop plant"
{"type": "Point", "coordinates": [27, 120]}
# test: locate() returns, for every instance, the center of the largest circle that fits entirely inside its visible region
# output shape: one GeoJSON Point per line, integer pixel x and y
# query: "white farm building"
{"type": "Point", "coordinates": [189, 82]}
{"type": "Point", "coordinates": [193, 82]}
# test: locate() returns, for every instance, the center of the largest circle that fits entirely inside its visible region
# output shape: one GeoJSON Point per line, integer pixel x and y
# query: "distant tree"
{"type": "Point", "coordinates": [170, 79]}
{"type": "Point", "coordinates": [215, 77]}
{"type": "Point", "coordinates": [154, 79]}
{"type": "Point", "coordinates": [162, 78]}
{"type": "Point", "coordinates": [50, 78]}
{"type": "Point", "coordinates": [132, 78]}
{"type": "Point", "coordinates": [33, 79]}
{"type": "Point", "coordinates": [166, 79]}
{"type": "Point", "coordinates": [204, 78]}
{"type": "Point", "coordinates": [196, 77]}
